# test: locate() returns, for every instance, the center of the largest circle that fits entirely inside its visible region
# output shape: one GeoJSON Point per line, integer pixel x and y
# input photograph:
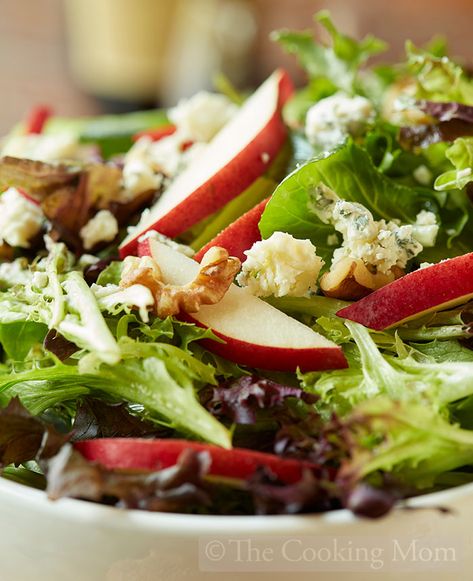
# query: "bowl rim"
{"type": "Point", "coordinates": [85, 512]}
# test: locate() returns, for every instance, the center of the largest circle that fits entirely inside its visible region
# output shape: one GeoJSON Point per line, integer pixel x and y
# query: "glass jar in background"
{"type": "Point", "coordinates": [117, 48]}
{"type": "Point", "coordinates": [136, 53]}
{"type": "Point", "coordinates": [209, 37]}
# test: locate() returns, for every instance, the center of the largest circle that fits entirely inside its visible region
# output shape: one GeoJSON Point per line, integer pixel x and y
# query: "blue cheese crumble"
{"type": "Point", "coordinates": [426, 228]}
{"type": "Point", "coordinates": [381, 245]}
{"type": "Point", "coordinates": [329, 121]}
{"type": "Point", "coordinates": [103, 227]}
{"type": "Point", "coordinates": [202, 116]}
{"type": "Point", "coordinates": [281, 266]}
{"type": "Point", "coordinates": [20, 219]}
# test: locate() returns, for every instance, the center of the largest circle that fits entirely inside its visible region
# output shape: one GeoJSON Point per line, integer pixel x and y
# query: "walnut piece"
{"type": "Point", "coordinates": [409, 115]}
{"type": "Point", "coordinates": [350, 279]}
{"type": "Point", "coordinates": [208, 288]}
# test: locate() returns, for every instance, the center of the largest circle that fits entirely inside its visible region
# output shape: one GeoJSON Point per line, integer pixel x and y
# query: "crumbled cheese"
{"type": "Point", "coordinates": [425, 228]}
{"type": "Point", "coordinates": [332, 240]}
{"type": "Point", "coordinates": [148, 162]}
{"type": "Point", "coordinates": [322, 202]}
{"type": "Point", "coordinates": [329, 121]}
{"type": "Point", "coordinates": [423, 175]}
{"type": "Point", "coordinates": [182, 248]}
{"type": "Point", "coordinates": [139, 172]}
{"type": "Point", "coordinates": [20, 219]}
{"type": "Point", "coordinates": [426, 264]}
{"type": "Point", "coordinates": [202, 116]}
{"type": "Point", "coordinates": [103, 227]}
{"type": "Point", "coordinates": [190, 154]}
{"type": "Point", "coordinates": [166, 154]}
{"type": "Point", "coordinates": [265, 157]}
{"type": "Point", "coordinates": [378, 243]}
{"type": "Point", "coordinates": [42, 147]}
{"type": "Point", "coordinates": [281, 266]}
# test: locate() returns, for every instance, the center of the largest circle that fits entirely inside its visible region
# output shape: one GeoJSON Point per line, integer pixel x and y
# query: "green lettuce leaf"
{"type": "Point", "coordinates": [315, 306]}
{"type": "Point", "coordinates": [410, 441]}
{"type": "Point", "coordinates": [24, 476]}
{"type": "Point", "coordinates": [390, 157]}
{"type": "Point", "coordinates": [84, 324]}
{"type": "Point", "coordinates": [42, 384]}
{"type": "Point", "coordinates": [160, 377]}
{"type": "Point", "coordinates": [445, 351]}
{"type": "Point", "coordinates": [63, 301]}
{"type": "Point", "coordinates": [112, 133]}
{"type": "Point", "coordinates": [156, 330]}
{"type": "Point", "coordinates": [17, 338]}
{"type": "Point", "coordinates": [111, 274]}
{"type": "Point", "coordinates": [339, 63]}
{"type": "Point", "coordinates": [405, 377]}
{"type": "Point", "coordinates": [460, 153]}
{"type": "Point", "coordinates": [223, 85]}
{"type": "Point", "coordinates": [168, 330]}
{"type": "Point", "coordinates": [438, 78]}
{"type": "Point", "coordinates": [350, 172]}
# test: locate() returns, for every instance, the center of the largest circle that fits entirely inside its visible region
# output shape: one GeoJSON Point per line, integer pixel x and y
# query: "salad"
{"type": "Point", "coordinates": [246, 304]}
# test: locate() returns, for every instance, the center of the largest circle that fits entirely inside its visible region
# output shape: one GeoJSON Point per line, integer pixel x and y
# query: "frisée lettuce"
{"type": "Point", "coordinates": [373, 182]}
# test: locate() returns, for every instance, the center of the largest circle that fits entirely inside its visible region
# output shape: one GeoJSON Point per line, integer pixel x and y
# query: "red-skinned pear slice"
{"type": "Point", "coordinates": [435, 287]}
{"type": "Point", "coordinates": [254, 333]}
{"type": "Point", "coordinates": [140, 454]}
{"type": "Point", "coordinates": [240, 153]}
{"type": "Point", "coordinates": [239, 235]}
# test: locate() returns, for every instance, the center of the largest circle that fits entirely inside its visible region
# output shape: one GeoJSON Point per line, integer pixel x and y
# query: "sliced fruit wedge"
{"type": "Point", "coordinates": [37, 119]}
{"type": "Point", "coordinates": [234, 159]}
{"type": "Point", "coordinates": [254, 333]}
{"type": "Point", "coordinates": [435, 287]}
{"type": "Point", "coordinates": [141, 454]}
{"type": "Point", "coordinates": [240, 235]}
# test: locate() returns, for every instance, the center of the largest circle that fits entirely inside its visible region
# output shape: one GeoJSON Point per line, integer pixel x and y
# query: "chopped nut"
{"type": "Point", "coordinates": [350, 279]}
{"type": "Point", "coordinates": [143, 271]}
{"type": "Point", "coordinates": [390, 109]}
{"type": "Point", "coordinates": [208, 288]}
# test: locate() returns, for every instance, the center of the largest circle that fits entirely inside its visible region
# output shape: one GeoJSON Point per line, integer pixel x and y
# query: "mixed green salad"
{"type": "Point", "coordinates": [113, 390]}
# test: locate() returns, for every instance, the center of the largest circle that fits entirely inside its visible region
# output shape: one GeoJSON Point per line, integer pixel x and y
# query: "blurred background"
{"type": "Point", "coordinates": [85, 57]}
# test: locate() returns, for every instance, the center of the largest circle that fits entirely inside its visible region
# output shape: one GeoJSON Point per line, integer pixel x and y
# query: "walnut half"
{"type": "Point", "coordinates": [217, 272]}
{"type": "Point", "coordinates": [350, 279]}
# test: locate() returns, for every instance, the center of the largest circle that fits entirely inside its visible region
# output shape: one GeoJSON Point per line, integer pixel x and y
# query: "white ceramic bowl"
{"type": "Point", "coordinates": [72, 540]}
